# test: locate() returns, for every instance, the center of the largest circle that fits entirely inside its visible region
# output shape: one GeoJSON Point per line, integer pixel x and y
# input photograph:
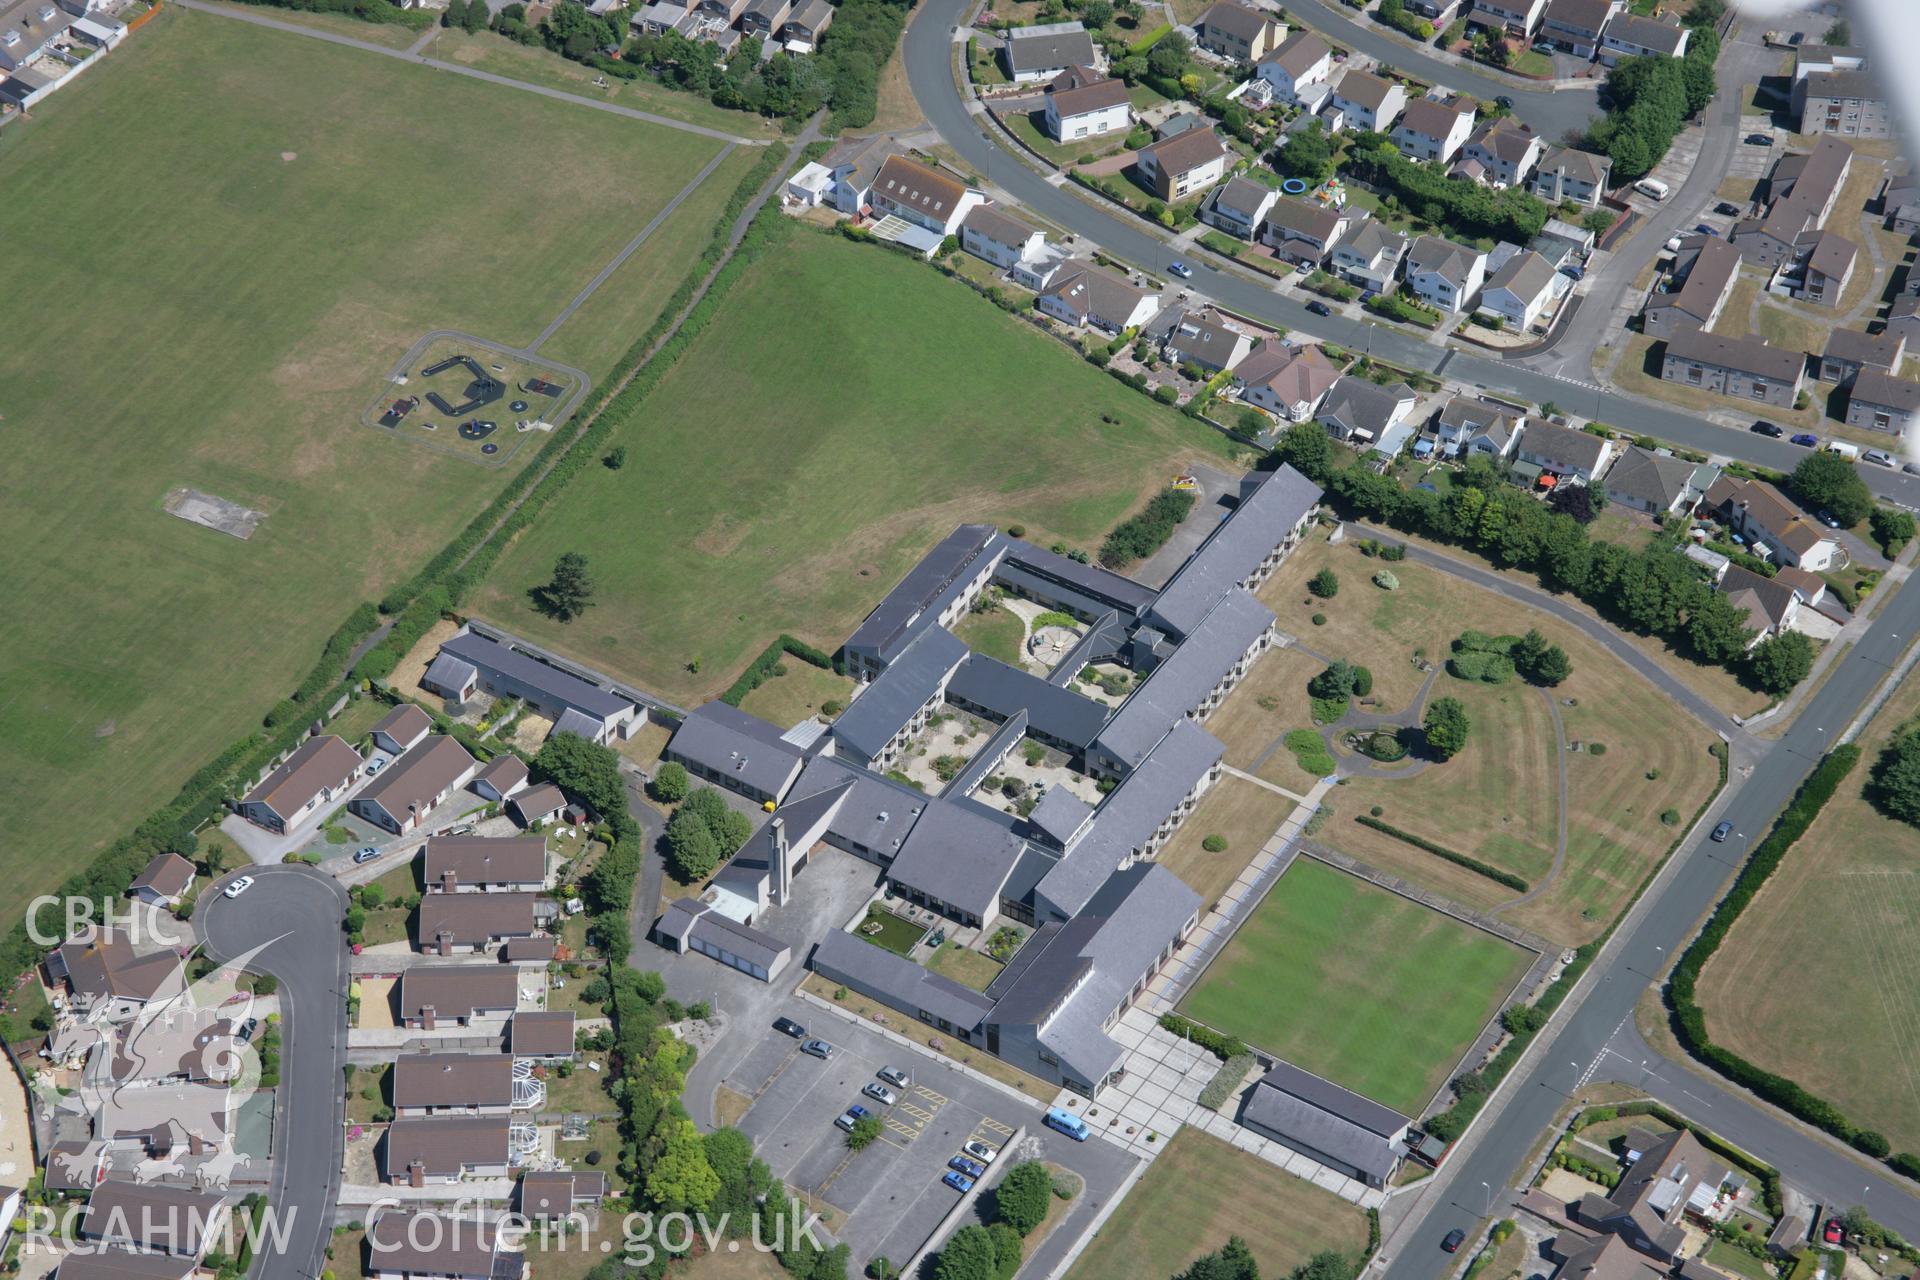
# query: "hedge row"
{"type": "Point", "coordinates": [760, 670]}
{"type": "Point", "coordinates": [1689, 1020]}
{"type": "Point", "coordinates": [1223, 1047]}
{"type": "Point", "coordinates": [1768, 1176]}
{"type": "Point", "coordinates": [1486, 869]}
{"type": "Point", "coordinates": [1224, 1081]}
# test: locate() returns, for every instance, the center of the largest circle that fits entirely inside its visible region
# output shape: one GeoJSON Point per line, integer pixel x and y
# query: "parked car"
{"type": "Point", "coordinates": [1319, 308]}
{"type": "Point", "coordinates": [238, 887]}
{"type": "Point", "coordinates": [1704, 229]}
{"type": "Point", "coordinates": [1728, 208]}
{"type": "Point", "coordinates": [788, 1027]}
{"type": "Point", "coordinates": [367, 854]}
{"type": "Point", "coordinates": [1827, 518]}
{"type": "Point", "coordinates": [1911, 468]}
{"type": "Point", "coordinates": [1544, 46]}
{"type": "Point", "coordinates": [1878, 457]}
{"type": "Point", "coordinates": [1759, 139]}
{"type": "Point", "coordinates": [960, 1164]}
{"type": "Point", "coordinates": [1804, 439]}
{"type": "Point", "coordinates": [1834, 1233]}
{"type": "Point", "coordinates": [979, 1150]}
{"type": "Point", "coordinates": [1721, 832]}
{"type": "Point", "coordinates": [1762, 427]}
{"type": "Point", "coordinates": [852, 1116]}
{"type": "Point", "coordinates": [958, 1181]}
{"type": "Point", "coordinates": [244, 1032]}
{"type": "Point", "coordinates": [880, 1093]}
{"type": "Point", "coordinates": [1503, 102]}
{"type": "Point", "coordinates": [1573, 272]}
{"type": "Point", "coordinates": [375, 765]}
{"type": "Point", "coordinates": [895, 1077]}
{"type": "Point", "coordinates": [1455, 1238]}
{"type": "Point", "coordinates": [1180, 269]}
{"type": "Point", "coordinates": [818, 1048]}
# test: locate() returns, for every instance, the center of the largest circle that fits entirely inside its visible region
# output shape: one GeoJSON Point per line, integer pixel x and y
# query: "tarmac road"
{"type": "Point", "coordinates": [296, 912]}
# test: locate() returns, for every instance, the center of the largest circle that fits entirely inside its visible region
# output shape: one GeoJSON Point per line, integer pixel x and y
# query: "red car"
{"type": "Point", "coordinates": [1833, 1234]}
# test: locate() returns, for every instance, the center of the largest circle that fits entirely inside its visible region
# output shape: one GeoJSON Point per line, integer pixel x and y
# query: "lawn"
{"type": "Point", "coordinates": [966, 966]}
{"type": "Point", "coordinates": [996, 632]}
{"type": "Point", "coordinates": [895, 933]}
{"type": "Point", "coordinates": [786, 474]}
{"type": "Point", "coordinates": [1414, 987]}
{"type": "Point", "coordinates": [1030, 128]}
{"type": "Point", "coordinates": [799, 694]}
{"type": "Point", "coordinates": [1736, 1261]}
{"type": "Point", "coordinates": [1815, 981]}
{"type": "Point", "coordinates": [243, 339]}
{"type": "Point", "coordinates": [1497, 799]}
{"type": "Point", "coordinates": [1244, 814]}
{"type": "Point", "coordinates": [1786, 327]}
{"type": "Point", "coordinates": [1262, 709]}
{"type": "Point", "coordinates": [1200, 1191]}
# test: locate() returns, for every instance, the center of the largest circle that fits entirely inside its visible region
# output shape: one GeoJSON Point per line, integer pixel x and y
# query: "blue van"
{"type": "Point", "coordinates": [1068, 1123]}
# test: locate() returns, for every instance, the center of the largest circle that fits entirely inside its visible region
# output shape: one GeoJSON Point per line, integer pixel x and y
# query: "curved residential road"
{"type": "Point", "coordinates": [928, 55]}
{"type": "Point", "coordinates": [295, 912]}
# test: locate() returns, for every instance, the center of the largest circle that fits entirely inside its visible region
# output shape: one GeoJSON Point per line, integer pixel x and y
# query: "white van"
{"type": "Point", "coordinates": [1848, 451]}
{"type": "Point", "coordinates": [1652, 188]}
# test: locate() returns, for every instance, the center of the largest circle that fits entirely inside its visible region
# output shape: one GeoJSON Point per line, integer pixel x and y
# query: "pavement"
{"type": "Point", "coordinates": [294, 912]}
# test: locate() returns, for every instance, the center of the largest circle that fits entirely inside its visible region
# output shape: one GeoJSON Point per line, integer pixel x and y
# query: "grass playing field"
{"type": "Point", "coordinates": [1817, 979]}
{"type": "Point", "coordinates": [230, 234]}
{"type": "Point", "coordinates": [846, 408]}
{"type": "Point", "coordinates": [1413, 986]}
{"type": "Point", "coordinates": [1198, 1192]}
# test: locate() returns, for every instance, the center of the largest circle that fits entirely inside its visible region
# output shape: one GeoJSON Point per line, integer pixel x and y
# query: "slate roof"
{"type": "Point", "coordinates": [452, 1080]}
{"type": "Point", "coordinates": [884, 707]}
{"type": "Point", "coordinates": [1052, 709]}
{"type": "Point", "coordinates": [1370, 239]}
{"type": "Point", "coordinates": [561, 688]}
{"type": "Point", "coordinates": [1314, 222]}
{"type": "Point", "coordinates": [958, 856]}
{"type": "Point", "coordinates": [1059, 814]}
{"type": "Point", "coordinates": [851, 958]}
{"type": "Point", "coordinates": [1175, 687]}
{"type": "Point", "coordinates": [1056, 44]}
{"type": "Point", "coordinates": [734, 744]}
{"type": "Point", "coordinates": [485, 860]}
{"type": "Point", "coordinates": [951, 561]}
{"type": "Point", "coordinates": [1713, 269]}
{"type": "Point", "coordinates": [445, 1145]}
{"type": "Point", "coordinates": [877, 814]}
{"type": "Point", "coordinates": [1647, 33]}
{"type": "Point", "coordinates": [1653, 478]}
{"type": "Point", "coordinates": [1870, 349]}
{"type": "Point", "coordinates": [1876, 387]}
{"type": "Point", "coordinates": [1844, 84]}
{"type": "Point", "coordinates": [906, 181]}
{"type": "Point", "coordinates": [690, 917]}
{"type": "Point", "coordinates": [1744, 355]}
{"type": "Point", "coordinates": [316, 763]}
{"type": "Point", "coordinates": [1235, 548]}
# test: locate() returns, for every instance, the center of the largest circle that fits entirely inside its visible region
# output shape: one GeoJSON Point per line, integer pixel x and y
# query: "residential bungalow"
{"type": "Point", "coordinates": [1507, 149]}
{"type": "Point", "coordinates": [1444, 274]}
{"type": "Point", "coordinates": [1040, 53]}
{"type": "Point", "coordinates": [402, 729]}
{"type": "Point", "coordinates": [1370, 256]}
{"type": "Point", "coordinates": [1881, 402]}
{"type": "Point", "coordinates": [432, 996]}
{"type": "Point", "coordinates": [106, 979]}
{"type": "Point", "coordinates": [1565, 174]}
{"type": "Point", "coordinates": [1369, 101]}
{"type": "Point", "coordinates": [441, 1084]}
{"type": "Point", "coordinates": [1577, 25]}
{"type": "Point", "coordinates": [1849, 352]}
{"type": "Point", "coordinates": [501, 778]}
{"type": "Point", "coordinates": [1081, 103]}
{"type": "Point", "coordinates": [485, 864]}
{"type": "Point", "coordinates": [1698, 302]}
{"type": "Point", "coordinates": [1512, 17]}
{"type": "Point", "coordinates": [1521, 290]}
{"type": "Point", "coordinates": [724, 745]}
{"type": "Point", "coordinates": [1360, 410]}
{"type": "Point", "coordinates": [1566, 454]}
{"type": "Point", "coordinates": [412, 786]}
{"type": "Point", "coordinates": [471, 662]}
{"type": "Point", "coordinates": [152, 1218]}
{"type": "Point", "coordinates": [552, 1194]}
{"type": "Point", "coordinates": [1298, 231]}
{"type": "Point", "coordinates": [164, 881]}
{"type": "Point", "coordinates": [1177, 167]}
{"type": "Point", "coordinates": [1326, 1123]}
{"type": "Point", "coordinates": [538, 805]}
{"type": "Point", "coordinates": [1302, 61]}
{"type": "Point", "coordinates": [1743, 368]}
{"type": "Point", "coordinates": [542, 1035]}
{"type": "Point", "coordinates": [446, 1149]}
{"type": "Point", "coordinates": [1434, 130]}
{"type": "Point", "coordinates": [1203, 339]}
{"type": "Point", "coordinates": [1239, 206]}
{"type": "Point", "coordinates": [1081, 293]}
{"type": "Point", "coordinates": [1289, 382]}
{"type": "Point", "coordinates": [1631, 36]}
{"type": "Point", "coordinates": [1667, 1177]}
{"type": "Point", "coordinates": [1760, 514]}
{"type": "Point", "coordinates": [1238, 31]}
{"type": "Point", "coordinates": [471, 923]}
{"type": "Point", "coordinates": [120, 1264]}
{"type": "Point", "coordinates": [1657, 483]}
{"type": "Point", "coordinates": [1468, 425]}
{"type": "Point", "coordinates": [408, 1244]}
{"type": "Point", "coordinates": [27, 27]}
{"type": "Point", "coordinates": [802, 30]}
{"type": "Point", "coordinates": [319, 770]}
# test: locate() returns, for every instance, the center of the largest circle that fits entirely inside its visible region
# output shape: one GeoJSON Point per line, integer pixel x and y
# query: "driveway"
{"type": "Point", "coordinates": [1214, 502]}
{"type": "Point", "coordinates": [268, 849]}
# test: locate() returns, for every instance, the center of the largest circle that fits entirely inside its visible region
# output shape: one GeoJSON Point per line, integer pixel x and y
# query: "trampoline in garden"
{"type": "Point", "coordinates": [1293, 186]}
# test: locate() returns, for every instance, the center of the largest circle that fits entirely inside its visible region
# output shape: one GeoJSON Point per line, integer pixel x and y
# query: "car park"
{"type": "Point", "coordinates": [851, 1116]}
{"type": "Point", "coordinates": [788, 1027]}
{"type": "Point", "coordinates": [1319, 308]}
{"type": "Point", "coordinates": [958, 1181]}
{"type": "Point", "coordinates": [1455, 1238]}
{"type": "Point", "coordinates": [367, 854]}
{"type": "Point", "coordinates": [1181, 269]}
{"type": "Point", "coordinates": [1805, 440]}
{"type": "Point", "coordinates": [238, 887]}
{"type": "Point", "coordinates": [1762, 427]}
{"type": "Point", "coordinates": [1721, 832]}
{"type": "Point", "coordinates": [818, 1048]}
{"type": "Point", "coordinates": [880, 1093]}
{"type": "Point", "coordinates": [972, 1169]}
{"type": "Point", "coordinates": [895, 1077]}
{"type": "Point", "coordinates": [979, 1150]}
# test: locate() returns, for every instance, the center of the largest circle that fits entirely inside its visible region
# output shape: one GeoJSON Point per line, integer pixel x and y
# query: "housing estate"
{"type": "Point", "coordinates": [918, 205]}
{"type": "Point", "coordinates": [1881, 402]}
{"type": "Point", "coordinates": [1363, 411]}
{"type": "Point", "coordinates": [1043, 52]}
{"type": "Point", "coordinates": [484, 864]}
{"type": "Point", "coordinates": [1012, 244]}
{"type": "Point", "coordinates": [1468, 425]}
{"type": "Point", "coordinates": [441, 1084]}
{"type": "Point", "coordinates": [1522, 289]}
{"type": "Point", "coordinates": [1082, 103]}
{"type": "Point", "coordinates": [444, 1149]}
{"type": "Point", "coordinates": [1565, 174]}
{"type": "Point", "coordinates": [1759, 513]}
{"type": "Point", "coordinates": [1508, 17]}
{"type": "Point", "coordinates": [163, 881]}
{"type": "Point", "coordinates": [107, 978]}
{"type": "Point", "coordinates": [152, 1218]}
{"type": "Point", "coordinates": [1704, 292]}
{"type": "Point", "coordinates": [432, 996]}
{"type": "Point", "coordinates": [555, 1193]}
{"type": "Point", "coordinates": [319, 770]}
{"type": "Point", "coordinates": [1303, 61]}
{"type": "Point", "coordinates": [1444, 274]}
{"type": "Point", "coordinates": [1186, 163]}
{"type": "Point", "coordinates": [411, 1244]}
{"type": "Point", "coordinates": [1238, 31]}
{"type": "Point", "coordinates": [1431, 129]}
{"type": "Point", "coordinates": [1771, 606]}
{"type": "Point", "coordinates": [1239, 206]}
{"type": "Point", "coordinates": [399, 799]}
{"type": "Point", "coordinates": [1667, 1178]}
{"type": "Point", "coordinates": [1204, 340]}
{"type": "Point", "coordinates": [1849, 352]}
{"type": "Point", "coordinates": [1302, 232]}
{"type": "Point", "coordinates": [402, 728]}
{"type": "Point", "coordinates": [1744, 368]}
{"type": "Point", "coordinates": [1800, 192]}
{"type": "Point", "coordinates": [1835, 92]}
{"type": "Point", "coordinates": [1506, 149]}
{"type": "Point", "coordinates": [1629, 35]}
{"type": "Point", "coordinates": [1370, 256]}
{"type": "Point", "coordinates": [1287, 381]}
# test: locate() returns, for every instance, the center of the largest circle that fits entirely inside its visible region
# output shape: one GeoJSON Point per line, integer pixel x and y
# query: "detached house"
{"type": "Point", "coordinates": [1239, 206]}
{"type": "Point", "coordinates": [1369, 256]}
{"type": "Point", "coordinates": [1631, 36]}
{"type": "Point", "coordinates": [319, 770]}
{"type": "Point", "coordinates": [1744, 368]}
{"type": "Point", "coordinates": [1040, 53]}
{"type": "Point", "coordinates": [1289, 382]}
{"type": "Point", "coordinates": [1521, 290]}
{"type": "Point", "coordinates": [1513, 17]}
{"type": "Point", "coordinates": [1881, 402]}
{"type": "Point", "coordinates": [1301, 232]}
{"type": "Point", "coordinates": [1577, 25]}
{"type": "Point", "coordinates": [1202, 340]}
{"type": "Point", "coordinates": [1850, 352]}
{"type": "Point", "coordinates": [1368, 101]}
{"type": "Point", "coordinates": [1564, 174]}
{"type": "Point", "coordinates": [1759, 513]}
{"type": "Point", "coordinates": [1656, 483]}
{"type": "Point", "coordinates": [1506, 149]}
{"type": "Point", "coordinates": [1356, 409]}
{"type": "Point", "coordinates": [1177, 167]}
{"type": "Point", "coordinates": [1011, 243]}
{"type": "Point", "coordinates": [1666, 1178]}
{"type": "Point", "coordinates": [401, 798]}
{"type": "Point", "coordinates": [485, 864]}
{"type": "Point", "coordinates": [922, 195]}
{"type": "Point", "coordinates": [1238, 31]}
{"type": "Point", "coordinates": [1565, 453]}
{"type": "Point", "coordinates": [1432, 130]}
{"type": "Point", "coordinates": [1304, 60]}
{"type": "Point", "coordinates": [1081, 103]}
{"type": "Point", "coordinates": [1444, 274]}
{"type": "Point", "coordinates": [1081, 293]}
{"type": "Point", "coordinates": [1468, 425]}
{"type": "Point", "coordinates": [164, 882]}
{"type": "Point", "coordinates": [402, 729]}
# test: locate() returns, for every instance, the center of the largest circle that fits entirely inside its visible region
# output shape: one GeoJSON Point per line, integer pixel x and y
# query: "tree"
{"type": "Point", "coordinates": [1717, 629]}
{"type": "Point", "coordinates": [1307, 155]}
{"type": "Point", "coordinates": [570, 593]}
{"type": "Point", "coordinates": [1539, 662]}
{"type": "Point", "coordinates": [1892, 528]}
{"type": "Point", "coordinates": [1325, 584]}
{"type": "Point", "coordinates": [1169, 57]}
{"type": "Point", "coordinates": [1895, 786]}
{"type": "Point", "coordinates": [1335, 682]}
{"type": "Point", "coordinates": [692, 852]}
{"type": "Point", "coordinates": [1308, 449]}
{"type": "Point", "coordinates": [681, 1179]}
{"type": "Point", "coordinates": [455, 14]}
{"type": "Point", "coordinates": [1840, 33]}
{"type": "Point", "coordinates": [616, 458]}
{"type": "Point", "coordinates": [1827, 481]}
{"type": "Point", "coordinates": [865, 1132]}
{"type": "Point", "coordinates": [670, 783]}
{"type": "Point", "coordinates": [1328, 1264]}
{"type": "Point", "coordinates": [1021, 1199]}
{"type": "Point", "coordinates": [1232, 1261]}
{"type": "Point", "coordinates": [1446, 726]}
{"type": "Point", "coordinates": [1096, 14]}
{"type": "Point", "coordinates": [1573, 500]}
{"type": "Point", "coordinates": [585, 770]}
{"type": "Point", "coordinates": [1780, 662]}
{"type": "Point", "coordinates": [969, 1255]}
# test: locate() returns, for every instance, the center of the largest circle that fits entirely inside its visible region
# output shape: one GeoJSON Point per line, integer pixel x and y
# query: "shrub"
{"type": "Point", "coordinates": [1221, 1087]}
{"type": "Point", "coordinates": [1021, 1199]}
{"type": "Point", "coordinates": [1596, 748]}
{"type": "Point", "coordinates": [670, 783]}
{"type": "Point", "coordinates": [1220, 1046]}
{"type": "Point", "coordinates": [1166, 394]}
{"type": "Point", "coordinates": [1141, 535]}
{"type": "Point", "coordinates": [1215, 843]}
{"type": "Point", "coordinates": [1319, 619]}
{"type": "Point", "coordinates": [1325, 584]}
{"type": "Point", "coordinates": [1385, 580]}
{"type": "Point", "coordinates": [1310, 750]}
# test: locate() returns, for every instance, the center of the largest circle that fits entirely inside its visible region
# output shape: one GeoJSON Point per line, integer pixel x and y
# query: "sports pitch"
{"type": "Point", "coordinates": [1357, 984]}
{"type": "Point", "coordinates": [234, 233]}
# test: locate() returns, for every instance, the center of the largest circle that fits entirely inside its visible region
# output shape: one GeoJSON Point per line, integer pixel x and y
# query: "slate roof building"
{"type": "Point", "coordinates": [301, 785]}
{"type": "Point", "coordinates": [1743, 368]}
{"type": "Point", "coordinates": [1321, 1120]}
{"type": "Point", "coordinates": [881, 718]}
{"type": "Point", "coordinates": [1699, 300]}
{"type": "Point", "coordinates": [1043, 52]}
{"type": "Point", "coordinates": [485, 864]}
{"type": "Point", "coordinates": [726, 746]}
{"type": "Point", "coordinates": [1243, 552]}
{"type": "Point", "coordinates": [1881, 402]}
{"type": "Point", "coordinates": [475, 662]}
